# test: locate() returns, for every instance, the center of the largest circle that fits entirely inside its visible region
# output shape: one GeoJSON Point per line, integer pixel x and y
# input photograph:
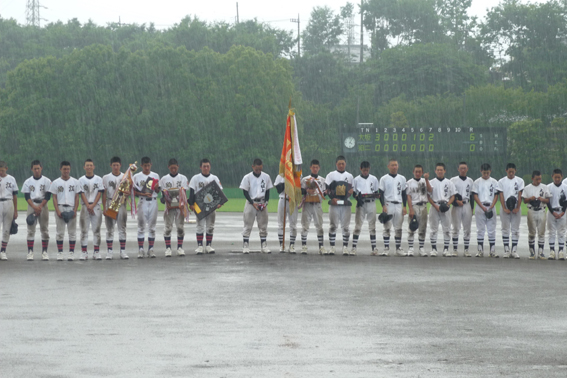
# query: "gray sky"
{"type": "Point", "coordinates": [165, 13]}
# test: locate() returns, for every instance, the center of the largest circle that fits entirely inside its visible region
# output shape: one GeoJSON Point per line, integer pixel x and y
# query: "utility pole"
{"type": "Point", "coordinates": [32, 13]}
{"type": "Point", "coordinates": [296, 20]}
{"type": "Point", "coordinates": [361, 32]}
{"type": "Point", "coordinates": [237, 17]}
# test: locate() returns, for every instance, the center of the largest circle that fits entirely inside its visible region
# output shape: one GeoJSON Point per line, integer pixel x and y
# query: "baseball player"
{"type": "Point", "coordinates": [339, 189]}
{"type": "Point", "coordinates": [461, 212]}
{"type": "Point", "coordinates": [66, 191]}
{"type": "Point", "coordinates": [393, 198]}
{"type": "Point", "coordinates": [91, 214]}
{"type": "Point", "coordinates": [536, 195]}
{"type": "Point", "coordinates": [256, 186]}
{"type": "Point", "coordinates": [8, 205]}
{"type": "Point", "coordinates": [556, 220]}
{"type": "Point", "coordinates": [313, 188]}
{"type": "Point", "coordinates": [417, 189]}
{"type": "Point", "coordinates": [197, 183]}
{"type": "Point", "coordinates": [485, 193]}
{"type": "Point", "coordinates": [366, 191]}
{"type": "Point", "coordinates": [291, 216]}
{"type": "Point", "coordinates": [510, 186]}
{"type": "Point", "coordinates": [441, 197]}
{"type": "Point", "coordinates": [36, 192]}
{"type": "Point", "coordinates": [111, 183]}
{"type": "Point", "coordinates": [147, 189]}
{"type": "Point", "coordinates": [174, 216]}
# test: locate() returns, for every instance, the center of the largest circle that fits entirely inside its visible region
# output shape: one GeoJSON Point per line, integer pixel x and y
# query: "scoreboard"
{"type": "Point", "coordinates": [371, 140]}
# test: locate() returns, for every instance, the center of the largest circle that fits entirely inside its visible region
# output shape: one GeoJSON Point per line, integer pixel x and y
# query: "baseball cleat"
{"type": "Point", "coordinates": [551, 255]}
{"type": "Point", "coordinates": [3, 256]}
{"type": "Point", "coordinates": [532, 254]}
{"type": "Point", "coordinates": [540, 254]}
{"type": "Point", "coordinates": [141, 253]}
{"type": "Point", "coordinates": [71, 256]}
{"type": "Point", "coordinates": [433, 253]}
{"type": "Point", "coordinates": [109, 254]}
{"type": "Point", "coordinates": [282, 249]}
{"type": "Point", "coordinates": [467, 253]}
{"type": "Point", "coordinates": [455, 253]}
{"type": "Point", "coordinates": [264, 248]}
{"type": "Point", "coordinates": [410, 252]}
{"type": "Point", "coordinates": [123, 255]}
{"type": "Point", "coordinates": [323, 251]}
{"type": "Point", "coordinates": [303, 249]}
{"type": "Point", "coordinates": [352, 252]}
{"type": "Point", "coordinates": [209, 249]}
{"type": "Point", "coordinates": [422, 252]}
{"type": "Point", "coordinates": [97, 256]}
{"type": "Point", "coordinates": [515, 255]}
{"type": "Point", "coordinates": [199, 250]}
{"type": "Point", "coordinates": [400, 252]}
{"type": "Point", "coordinates": [446, 253]}
{"type": "Point", "coordinates": [345, 251]}
{"type": "Point", "coordinates": [374, 252]}
{"type": "Point", "coordinates": [506, 255]}
{"type": "Point", "coordinates": [84, 256]}
{"type": "Point", "coordinates": [30, 256]}
{"type": "Point", "coordinates": [561, 255]}
{"type": "Point", "coordinates": [168, 252]}
{"type": "Point", "coordinates": [480, 254]}
{"type": "Point", "coordinates": [59, 256]}
{"type": "Point", "coordinates": [180, 252]}
{"type": "Point", "coordinates": [332, 251]}
{"type": "Point", "coordinates": [245, 248]}
{"type": "Point", "coordinates": [292, 249]}
{"type": "Point", "coordinates": [151, 253]}
{"type": "Point", "coordinates": [44, 256]}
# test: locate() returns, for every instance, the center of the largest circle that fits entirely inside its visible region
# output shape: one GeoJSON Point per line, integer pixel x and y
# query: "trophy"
{"type": "Point", "coordinates": [208, 199]}
{"type": "Point", "coordinates": [125, 189]}
{"type": "Point", "coordinates": [172, 198]}
{"type": "Point", "coordinates": [341, 193]}
{"type": "Point", "coordinates": [150, 185]}
{"type": "Point", "coordinates": [313, 198]}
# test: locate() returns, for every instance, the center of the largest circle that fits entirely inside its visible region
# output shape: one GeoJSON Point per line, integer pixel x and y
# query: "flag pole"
{"type": "Point", "coordinates": [284, 216]}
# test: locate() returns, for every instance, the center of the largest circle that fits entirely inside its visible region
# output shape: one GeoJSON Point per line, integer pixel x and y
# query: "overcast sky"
{"type": "Point", "coordinates": [165, 13]}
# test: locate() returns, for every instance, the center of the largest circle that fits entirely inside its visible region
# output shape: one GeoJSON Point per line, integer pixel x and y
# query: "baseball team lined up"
{"type": "Point", "coordinates": [452, 203]}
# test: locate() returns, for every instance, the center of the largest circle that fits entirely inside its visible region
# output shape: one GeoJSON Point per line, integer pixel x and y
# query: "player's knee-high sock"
{"type": "Point", "coordinates": [467, 242]}
{"type": "Point", "coordinates": [245, 240]}
{"type": "Point", "coordinates": [345, 240]}
{"type": "Point", "coordinates": [44, 244]}
{"type": "Point", "coordinates": [97, 248]}
{"type": "Point", "coordinates": [71, 245]}
{"type": "Point", "coordinates": [83, 248]}
{"type": "Point", "coordinates": [292, 239]}
{"type": "Point", "coordinates": [492, 242]}
{"type": "Point", "coordinates": [506, 241]}
{"type": "Point", "coordinates": [262, 239]}
{"type": "Point", "coordinates": [540, 245]}
{"type": "Point", "coordinates": [30, 245]}
{"type": "Point", "coordinates": [319, 239]}
{"type": "Point", "coordinates": [209, 238]}
{"type": "Point", "coordinates": [531, 244]}
{"type": "Point", "coordinates": [455, 243]}
{"type": "Point", "coordinates": [141, 243]}
{"type": "Point", "coordinates": [355, 240]}
{"type": "Point", "coordinates": [552, 246]}
{"type": "Point", "coordinates": [480, 245]}
{"type": "Point", "coordinates": [386, 242]}
{"type": "Point", "coordinates": [373, 242]}
{"type": "Point", "coordinates": [280, 238]}
{"type": "Point", "coordinates": [303, 239]}
{"type": "Point", "coordinates": [332, 239]}
{"type": "Point", "coordinates": [446, 243]}
{"type": "Point", "coordinates": [199, 239]}
{"type": "Point", "coordinates": [398, 242]}
{"type": "Point", "coordinates": [421, 243]}
{"type": "Point", "coordinates": [167, 241]}
{"type": "Point", "coordinates": [109, 244]}
{"type": "Point", "coordinates": [122, 245]}
{"type": "Point", "coordinates": [560, 245]}
{"type": "Point", "coordinates": [180, 242]}
{"type": "Point", "coordinates": [59, 245]}
{"type": "Point", "coordinates": [4, 245]}
{"type": "Point", "coordinates": [410, 243]}
{"type": "Point", "coordinates": [514, 244]}
{"type": "Point", "coordinates": [151, 242]}
{"type": "Point", "coordinates": [433, 244]}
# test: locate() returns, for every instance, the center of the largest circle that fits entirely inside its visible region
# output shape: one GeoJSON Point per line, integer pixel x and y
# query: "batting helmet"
{"type": "Point", "coordinates": [414, 224]}
{"type": "Point", "coordinates": [443, 207]}
{"type": "Point", "coordinates": [67, 215]}
{"type": "Point", "coordinates": [489, 214]}
{"type": "Point", "coordinates": [511, 203]}
{"type": "Point", "coordinates": [458, 197]}
{"type": "Point", "coordinates": [385, 218]}
{"type": "Point", "coordinates": [30, 220]}
{"type": "Point", "coordinates": [535, 203]}
{"type": "Point", "coordinates": [14, 228]}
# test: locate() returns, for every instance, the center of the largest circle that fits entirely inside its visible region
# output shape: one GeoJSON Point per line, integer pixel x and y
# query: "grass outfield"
{"type": "Point", "coordinates": [236, 205]}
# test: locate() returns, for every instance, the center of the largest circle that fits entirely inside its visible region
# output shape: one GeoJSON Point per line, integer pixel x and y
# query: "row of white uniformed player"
{"type": "Point", "coordinates": [92, 190]}
{"type": "Point", "coordinates": [395, 193]}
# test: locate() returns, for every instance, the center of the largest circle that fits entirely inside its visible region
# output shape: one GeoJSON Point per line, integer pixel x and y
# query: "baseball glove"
{"type": "Point", "coordinates": [14, 228]}
{"type": "Point", "coordinates": [30, 220]}
{"type": "Point", "coordinates": [443, 207]}
{"type": "Point", "coordinates": [563, 202]}
{"type": "Point", "coordinates": [414, 224]}
{"type": "Point", "coordinates": [511, 203]}
{"type": "Point", "coordinates": [535, 203]}
{"type": "Point", "coordinates": [489, 214]}
{"type": "Point", "coordinates": [67, 215]}
{"type": "Point", "coordinates": [384, 218]}
{"type": "Point", "coordinates": [458, 197]}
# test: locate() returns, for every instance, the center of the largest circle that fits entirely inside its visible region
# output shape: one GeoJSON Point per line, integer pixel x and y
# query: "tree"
{"type": "Point", "coordinates": [323, 31]}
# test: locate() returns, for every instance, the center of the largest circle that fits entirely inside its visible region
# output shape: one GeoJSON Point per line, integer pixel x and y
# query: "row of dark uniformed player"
{"type": "Point", "coordinates": [396, 195]}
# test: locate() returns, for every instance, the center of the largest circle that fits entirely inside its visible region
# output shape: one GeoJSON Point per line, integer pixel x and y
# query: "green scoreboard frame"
{"type": "Point", "coordinates": [368, 139]}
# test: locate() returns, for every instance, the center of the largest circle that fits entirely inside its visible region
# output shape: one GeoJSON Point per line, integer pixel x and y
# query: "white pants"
{"type": "Point", "coordinates": [43, 221]}
{"type": "Point", "coordinates": [60, 225]}
{"type": "Point", "coordinates": [174, 216]}
{"type": "Point", "coordinates": [536, 225]}
{"type": "Point", "coordinates": [484, 224]}
{"type": "Point", "coordinates": [251, 214]}
{"type": "Point", "coordinates": [290, 218]}
{"type": "Point", "coordinates": [147, 218]}
{"type": "Point", "coordinates": [120, 222]}
{"type": "Point", "coordinates": [7, 214]}
{"type": "Point", "coordinates": [556, 228]}
{"type": "Point", "coordinates": [510, 221]}
{"type": "Point", "coordinates": [93, 221]}
{"type": "Point", "coordinates": [421, 215]}
{"type": "Point", "coordinates": [312, 211]}
{"type": "Point", "coordinates": [365, 212]}
{"type": "Point", "coordinates": [436, 217]}
{"type": "Point", "coordinates": [339, 214]}
{"type": "Point", "coordinates": [207, 222]}
{"type": "Point", "coordinates": [397, 221]}
{"type": "Point", "coordinates": [461, 215]}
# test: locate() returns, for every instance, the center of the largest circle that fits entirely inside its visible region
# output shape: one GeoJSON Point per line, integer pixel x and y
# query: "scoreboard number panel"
{"type": "Point", "coordinates": [373, 140]}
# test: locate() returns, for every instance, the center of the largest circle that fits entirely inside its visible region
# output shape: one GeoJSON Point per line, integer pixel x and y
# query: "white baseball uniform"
{"type": "Point", "coordinates": [291, 215]}
{"type": "Point", "coordinates": [111, 183]}
{"type": "Point", "coordinates": [8, 189]}
{"type": "Point", "coordinates": [197, 183]}
{"type": "Point", "coordinates": [556, 228]}
{"type": "Point", "coordinates": [536, 215]}
{"type": "Point", "coordinates": [366, 207]}
{"type": "Point", "coordinates": [486, 190]}
{"type": "Point", "coordinates": [91, 187]}
{"type": "Point", "coordinates": [393, 189]}
{"type": "Point", "coordinates": [462, 215]}
{"type": "Point", "coordinates": [510, 222]}
{"type": "Point", "coordinates": [257, 187]}
{"type": "Point", "coordinates": [147, 208]}
{"type": "Point", "coordinates": [37, 191]}
{"type": "Point", "coordinates": [172, 216]}
{"type": "Point", "coordinates": [441, 191]}
{"type": "Point", "coordinates": [65, 191]}
{"type": "Point", "coordinates": [339, 214]}
{"type": "Point", "coordinates": [417, 190]}
{"type": "Point", "coordinates": [313, 210]}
